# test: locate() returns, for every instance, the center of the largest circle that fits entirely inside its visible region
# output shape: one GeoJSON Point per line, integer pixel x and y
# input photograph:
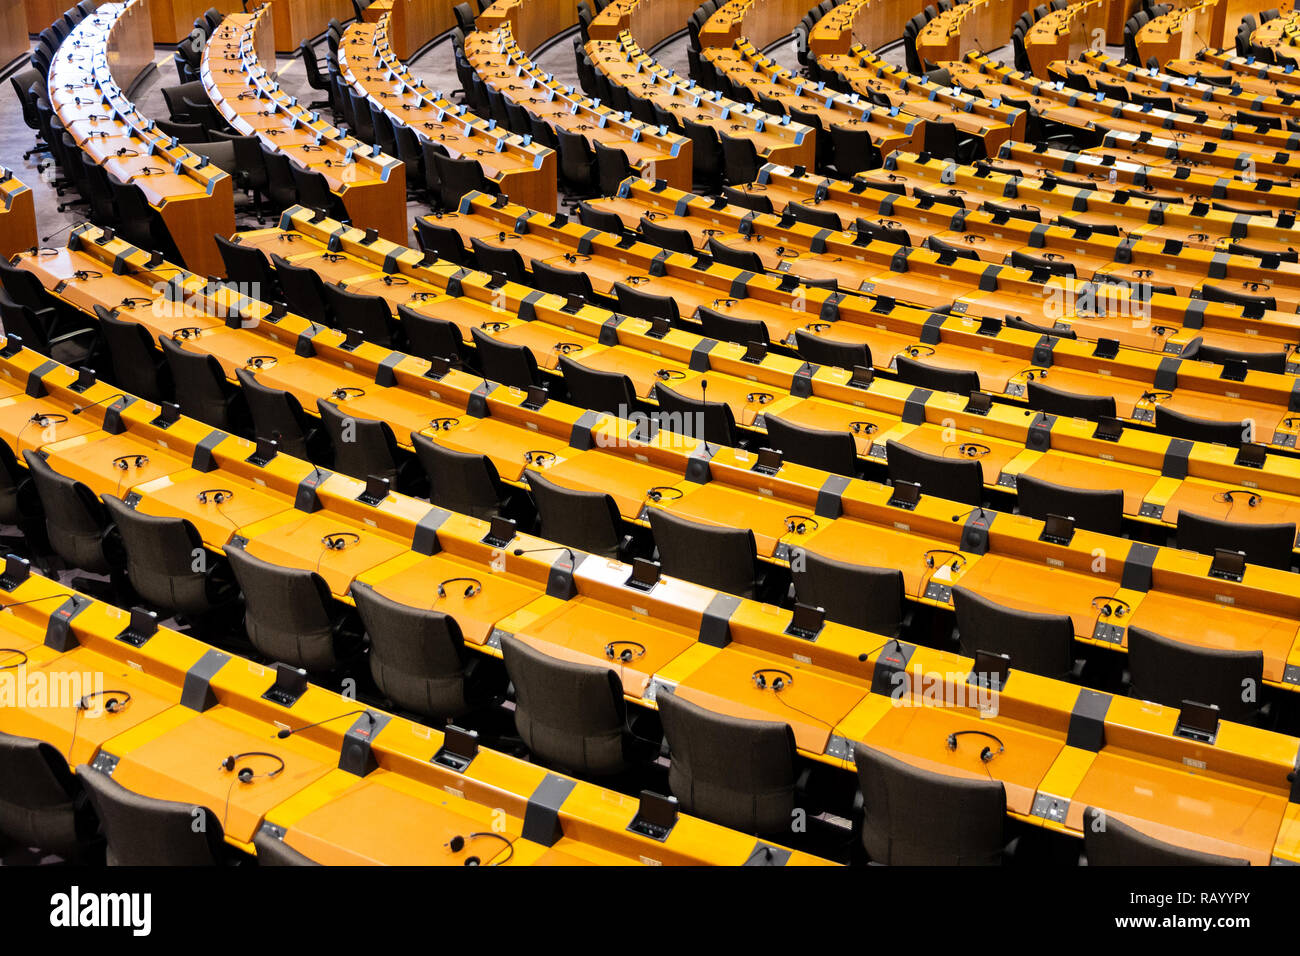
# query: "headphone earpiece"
{"type": "Point", "coordinates": [246, 775]}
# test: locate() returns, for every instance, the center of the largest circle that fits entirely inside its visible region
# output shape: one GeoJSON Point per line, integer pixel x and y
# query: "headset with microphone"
{"type": "Point", "coordinates": [986, 753]}
{"type": "Point", "coordinates": [471, 589]}
{"type": "Point", "coordinates": [782, 679]}
{"type": "Point", "coordinates": [246, 774]}
{"type": "Point", "coordinates": [631, 650]}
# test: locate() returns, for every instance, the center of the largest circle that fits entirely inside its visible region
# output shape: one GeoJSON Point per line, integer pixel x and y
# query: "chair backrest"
{"type": "Point", "coordinates": [722, 558]}
{"type": "Point", "coordinates": [362, 446]}
{"type": "Point", "coordinates": [1256, 361]}
{"type": "Point", "coordinates": [39, 798]}
{"type": "Point", "coordinates": [736, 772]}
{"type": "Point", "coordinates": [745, 259]}
{"type": "Point", "coordinates": [249, 267]}
{"type": "Point", "coordinates": [1108, 841]}
{"type": "Point", "coordinates": [711, 421]}
{"type": "Point", "coordinates": [566, 282]}
{"type": "Point", "coordinates": [160, 558]}
{"type": "Point", "coordinates": [1202, 429]}
{"type": "Point", "coordinates": [142, 831]}
{"type": "Point", "coordinates": [201, 389]}
{"type": "Point", "coordinates": [612, 167]}
{"type": "Point", "coordinates": [587, 520]}
{"type": "Point", "coordinates": [505, 362]}
{"type": "Point", "coordinates": [1039, 643]}
{"type": "Point", "coordinates": [833, 451]}
{"type": "Point", "coordinates": [287, 612]}
{"type": "Point", "coordinates": [599, 391]}
{"type": "Point", "coordinates": [853, 594]}
{"type": "Point", "coordinates": [915, 817]}
{"type": "Point", "coordinates": [441, 240]}
{"type": "Point", "coordinates": [569, 715]}
{"type": "Point", "coordinates": [811, 214]}
{"type": "Point", "coordinates": [367, 314]}
{"type": "Point", "coordinates": [1169, 672]}
{"type": "Point", "coordinates": [924, 375]}
{"type": "Point", "coordinates": [1264, 544]}
{"type": "Point", "coordinates": [75, 520]}
{"type": "Point", "coordinates": [1054, 401]}
{"type": "Point", "coordinates": [430, 337]}
{"type": "Point", "coordinates": [281, 190]}
{"type": "Point", "coordinates": [304, 292]}
{"type": "Point", "coordinates": [1096, 510]}
{"type": "Point", "coordinates": [732, 328]}
{"type": "Point", "coordinates": [740, 159]}
{"type": "Point", "coordinates": [417, 656]}
{"type": "Point", "coordinates": [464, 482]}
{"type": "Point", "coordinates": [277, 414]}
{"type": "Point", "coordinates": [577, 160]}
{"type": "Point", "coordinates": [645, 305]}
{"type": "Point", "coordinates": [503, 259]}
{"type": "Point", "coordinates": [458, 177]}
{"type": "Point", "coordinates": [957, 480]}
{"type": "Point", "coordinates": [675, 240]}
{"type": "Point", "coordinates": [823, 351]}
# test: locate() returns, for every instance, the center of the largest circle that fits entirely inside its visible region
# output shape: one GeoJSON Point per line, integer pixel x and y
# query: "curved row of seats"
{"type": "Point", "coordinates": [128, 781]}
{"type": "Point", "coordinates": [233, 462]}
{"type": "Point", "coordinates": [156, 191]}
{"type": "Point", "coordinates": [330, 170]}
{"type": "Point", "coordinates": [448, 149]}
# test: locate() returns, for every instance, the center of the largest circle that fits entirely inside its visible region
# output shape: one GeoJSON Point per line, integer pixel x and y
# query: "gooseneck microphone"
{"type": "Point", "coordinates": [48, 597]}
{"type": "Point", "coordinates": [289, 732]}
{"type": "Point", "coordinates": [78, 409]}
{"type": "Point", "coordinates": [967, 514]}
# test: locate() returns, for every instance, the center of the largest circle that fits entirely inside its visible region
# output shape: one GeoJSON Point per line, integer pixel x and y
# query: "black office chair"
{"type": "Point", "coordinates": [315, 78]}
{"type": "Point", "coordinates": [1100, 511]}
{"type": "Point", "coordinates": [160, 561]}
{"type": "Point", "coordinates": [43, 805]}
{"type": "Point", "coordinates": [854, 150]}
{"type": "Point", "coordinates": [725, 559]}
{"type": "Point", "coordinates": [1274, 362]}
{"type": "Point", "coordinates": [248, 267]}
{"type": "Point", "coordinates": [75, 520]}
{"type": "Point", "coordinates": [810, 214]}
{"type": "Point", "coordinates": [740, 159]}
{"type": "Point", "coordinates": [143, 831]}
{"type": "Point", "coordinates": [612, 167]}
{"type": "Point", "coordinates": [367, 314]}
{"type": "Point", "coordinates": [185, 133]}
{"type": "Point", "coordinates": [457, 177]}
{"type": "Point", "coordinates": [577, 164]}
{"type": "Point", "coordinates": [429, 337]}
{"type": "Point", "coordinates": [736, 772]}
{"type": "Point", "coordinates": [201, 387]}
{"type": "Point", "coordinates": [313, 191]}
{"type": "Point", "coordinates": [74, 349]}
{"type": "Point", "coordinates": [441, 240]}
{"type": "Point", "coordinates": [465, 18]}
{"type": "Point", "coordinates": [732, 328]}
{"type": "Point", "coordinates": [290, 616]}
{"type": "Point", "coordinates": [570, 716]}
{"type": "Point", "coordinates": [853, 594]}
{"type": "Point", "coordinates": [915, 817]}
{"type": "Point", "coordinates": [502, 259]}
{"type": "Point", "coordinates": [1054, 401]}
{"type": "Point", "coordinates": [504, 362]}
{"type": "Point", "coordinates": [418, 658]}
{"type": "Point", "coordinates": [565, 282]}
{"type": "Point", "coordinates": [743, 259]}
{"type": "Point", "coordinates": [303, 290]}
{"type": "Point", "coordinates": [1038, 643]}
{"type": "Point", "coordinates": [278, 415]}
{"type": "Point", "coordinates": [955, 479]}
{"type": "Point", "coordinates": [609, 392]}
{"type": "Point", "coordinates": [364, 447]}
{"type": "Point", "coordinates": [1179, 425]}
{"type": "Point", "coordinates": [707, 161]}
{"type": "Point", "coordinates": [463, 482]}
{"type": "Point", "coordinates": [665, 237]}
{"type": "Point", "coordinates": [646, 305]}
{"type": "Point", "coordinates": [710, 421]}
{"type": "Point", "coordinates": [1169, 672]}
{"type": "Point", "coordinates": [1268, 545]}
{"type": "Point", "coordinates": [923, 375]}
{"type": "Point", "coordinates": [593, 217]}
{"type": "Point", "coordinates": [586, 520]}
{"type": "Point", "coordinates": [280, 189]}
{"type": "Point", "coordinates": [823, 351]}
{"type": "Point", "coordinates": [1108, 841]}
{"type": "Point", "coordinates": [833, 451]}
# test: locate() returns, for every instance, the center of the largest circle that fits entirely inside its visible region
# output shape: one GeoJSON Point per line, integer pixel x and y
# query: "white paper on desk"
{"type": "Point", "coordinates": [943, 575]}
